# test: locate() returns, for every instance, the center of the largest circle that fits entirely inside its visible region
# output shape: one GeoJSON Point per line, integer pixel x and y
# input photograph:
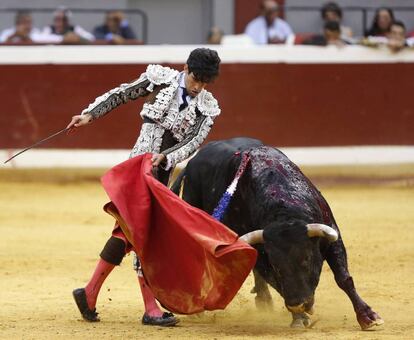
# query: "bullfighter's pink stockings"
{"type": "Point", "coordinates": [102, 270]}
{"type": "Point", "coordinates": [151, 306]}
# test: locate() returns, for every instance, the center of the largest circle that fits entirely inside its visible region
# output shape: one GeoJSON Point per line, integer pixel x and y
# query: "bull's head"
{"type": "Point", "coordinates": [293, 251]}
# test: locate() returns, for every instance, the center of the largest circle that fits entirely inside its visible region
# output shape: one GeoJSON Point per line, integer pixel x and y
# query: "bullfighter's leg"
{"type": "Point", "coordinates": [337, 260]}
{"type": "Point", "coordinates": [151, 306]}
{"type": "Point", "coordinates": [85, 298]}
{"type": "Point", "coordinates": [153, 314]}
{"type": "Point", "coordinates": [263, 298]}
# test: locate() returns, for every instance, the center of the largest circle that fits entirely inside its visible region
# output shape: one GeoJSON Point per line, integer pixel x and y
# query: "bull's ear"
{"type": "Point", "coordinates": [322, 230]}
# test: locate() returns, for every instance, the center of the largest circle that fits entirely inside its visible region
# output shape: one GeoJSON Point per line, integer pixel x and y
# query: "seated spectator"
{"type": "Point", "coordinates": [115, 30]}
{"type": "Point", "coordinates": [215, 35]}
{"type": "Point", "coordinates": [62, 31]}
{"type": "Point", "coordinates": [268, 28]}
{"type": "Point", "coordinates": [410, 39]}
{"type": "Point", "coordinates": [394, 40]}
{"type": "Point", "coordinates": [331, 36]}
{"type": "Point", "coordinates": [396, 36]}
{"type": "Point", "coordinates": [332, 12]}
{"type": "Point", "coordinates": [381, 24]}
{"type": "Point", "coordinates": [22, 32]}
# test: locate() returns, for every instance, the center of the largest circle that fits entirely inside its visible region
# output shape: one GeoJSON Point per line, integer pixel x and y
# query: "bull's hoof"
{"type": "Point", "coordinates": [264, 303]}
{"type": "Point", "coordinates": [300, 321]}
{"type": "Point", "coordinates": [368, 319]}
{"type": "Point", "coordinates": [369, 324]}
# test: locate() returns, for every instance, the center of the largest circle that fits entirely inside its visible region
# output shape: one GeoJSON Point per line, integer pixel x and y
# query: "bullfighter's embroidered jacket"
{"type": "Point", "coordinates": [177, 134]}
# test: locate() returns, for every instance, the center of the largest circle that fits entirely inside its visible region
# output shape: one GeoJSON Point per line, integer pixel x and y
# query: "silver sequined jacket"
{"type": "Point", "coordinates": [188, 127]}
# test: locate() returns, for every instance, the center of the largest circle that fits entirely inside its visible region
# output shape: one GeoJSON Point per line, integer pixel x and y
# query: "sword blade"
{"type": "Point", "coordinates": [37, 143]}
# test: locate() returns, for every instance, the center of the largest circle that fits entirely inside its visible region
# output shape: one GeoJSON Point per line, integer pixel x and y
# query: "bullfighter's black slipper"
{"type": "Point", "coordinates": [166, 320]}
{"type": "Point", "coordinates": [80, 298]}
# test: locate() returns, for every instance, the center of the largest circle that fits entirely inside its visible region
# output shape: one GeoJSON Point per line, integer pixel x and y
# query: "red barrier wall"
{"type": "Point", "coordinates": [282, 104]}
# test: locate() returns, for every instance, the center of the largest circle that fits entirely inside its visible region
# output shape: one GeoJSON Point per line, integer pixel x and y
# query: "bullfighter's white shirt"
{"type": "Point", "coordinates": [181, 89]}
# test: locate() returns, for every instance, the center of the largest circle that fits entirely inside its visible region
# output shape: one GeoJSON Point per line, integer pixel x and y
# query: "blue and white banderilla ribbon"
{"type": "Point", "coordinates": [225, 200]}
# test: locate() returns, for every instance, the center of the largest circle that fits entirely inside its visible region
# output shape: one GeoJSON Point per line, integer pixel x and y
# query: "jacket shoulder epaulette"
{"type": "Point", "coordinates": [158, 74]}
{"type": "Point", "coordinates": [207, 104]}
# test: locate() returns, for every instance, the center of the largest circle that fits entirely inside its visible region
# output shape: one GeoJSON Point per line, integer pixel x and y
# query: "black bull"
{"type": "Point", "coordinates": [273, 195]}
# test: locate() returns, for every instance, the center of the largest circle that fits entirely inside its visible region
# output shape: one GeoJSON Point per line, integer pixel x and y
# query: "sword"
{"type": "Point", "coordinates": [39, 142]}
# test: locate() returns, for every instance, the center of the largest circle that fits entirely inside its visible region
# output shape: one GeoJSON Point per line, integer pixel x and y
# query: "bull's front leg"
{"type": "Point", "coordinates": [263, 298]}
{"type": "Point", "coordinates": [337, 260]}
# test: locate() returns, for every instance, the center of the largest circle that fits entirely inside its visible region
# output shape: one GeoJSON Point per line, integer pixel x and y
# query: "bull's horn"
{"type": "Point", "coordinates": [322, 230]}
{"type": "Point", "coordinates": [253, 237]}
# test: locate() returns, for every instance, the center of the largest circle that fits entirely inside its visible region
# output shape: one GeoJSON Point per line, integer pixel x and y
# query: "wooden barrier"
{"type": "Point", "coordinates": [286, 104]}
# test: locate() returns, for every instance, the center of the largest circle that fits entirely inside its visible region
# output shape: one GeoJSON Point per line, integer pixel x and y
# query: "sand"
{"type": "Point", "coordinates": [53, 228]}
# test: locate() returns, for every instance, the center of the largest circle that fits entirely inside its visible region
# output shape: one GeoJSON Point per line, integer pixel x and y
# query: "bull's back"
{"type": "Point", "coordinates": [284, 185]}
{"type": "Point", "coordinates": [208, 174]}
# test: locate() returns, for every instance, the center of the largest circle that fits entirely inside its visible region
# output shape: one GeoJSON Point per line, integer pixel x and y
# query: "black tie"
{"type": "Point", "coordinates": [184, 97]}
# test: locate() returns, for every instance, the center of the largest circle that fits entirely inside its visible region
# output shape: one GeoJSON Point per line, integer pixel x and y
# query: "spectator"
{"type": "Point", "coordinates": [215, 35]}
{"type": "Point", "coordinates": [332, 12]}
{"type": "Point", "coordinates": [394, 41]}
{"type": "Point", "coordinates": [62, 31]}
{"type": "Point", "coordinates": [410, 39]}
{"type": "Point", "coordinates": [115, 30]}
{"type": "Point", "coordinates": [331, 36]}
{"type": "Point", "coordinates": [381, 24]}
{"type": "Point", "coordinates": [268, 28]}
{"type": "Point", "coordinates": [22, 32]}
{"type": "Point", "coordinates": [396, 36]}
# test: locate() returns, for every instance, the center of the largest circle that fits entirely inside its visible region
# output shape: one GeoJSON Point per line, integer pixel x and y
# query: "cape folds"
{"type": "Point", "coordinates": [191, 261]}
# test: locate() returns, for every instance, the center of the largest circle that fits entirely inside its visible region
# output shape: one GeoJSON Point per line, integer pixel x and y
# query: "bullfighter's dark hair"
{"type": "Point", "coordinates": [204, 64]}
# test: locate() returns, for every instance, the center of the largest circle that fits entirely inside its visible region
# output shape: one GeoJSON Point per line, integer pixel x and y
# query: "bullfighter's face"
{"type": "Point", "coordinates": [193, 85]}
{"type": "Point", "coordinates": [296, 261]}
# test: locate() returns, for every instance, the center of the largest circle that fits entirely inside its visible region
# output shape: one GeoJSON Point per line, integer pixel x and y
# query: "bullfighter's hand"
{"type": "Point", "coordinates": [157, 159]}
{"type": "Point", "coordinates": [79, 120]}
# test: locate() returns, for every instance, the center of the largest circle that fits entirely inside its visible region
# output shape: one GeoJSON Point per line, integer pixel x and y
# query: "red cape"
{"type": "Point", "coordinates": [191, 261]}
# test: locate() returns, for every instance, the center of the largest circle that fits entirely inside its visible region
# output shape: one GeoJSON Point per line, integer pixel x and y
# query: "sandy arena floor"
{"type": "Point", "coordinates": [53, 228]}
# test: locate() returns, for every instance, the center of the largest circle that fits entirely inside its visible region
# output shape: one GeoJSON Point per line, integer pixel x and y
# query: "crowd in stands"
{"type": "Point", "coordinates": [268, 28]}
{"type": "Point", "coordinates": [386, 31]}
{"type": "Point", "coordinates": [62, 30]}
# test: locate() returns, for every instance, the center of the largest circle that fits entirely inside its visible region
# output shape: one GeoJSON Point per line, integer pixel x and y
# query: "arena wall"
{"type": "Point", "coordinates": [286, 96]}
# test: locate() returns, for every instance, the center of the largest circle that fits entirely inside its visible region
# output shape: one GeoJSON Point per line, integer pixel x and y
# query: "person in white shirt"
{"type": "Point", "coordinates": [268, 28]}
{"type": "Point", "coordinates": [22, 32]}
{"type": "Point", "coordinates": [62, 31]}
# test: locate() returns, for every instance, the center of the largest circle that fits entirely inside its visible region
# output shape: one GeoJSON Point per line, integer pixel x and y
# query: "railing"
{"type": "Point", "coordinates": [143, 16]}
